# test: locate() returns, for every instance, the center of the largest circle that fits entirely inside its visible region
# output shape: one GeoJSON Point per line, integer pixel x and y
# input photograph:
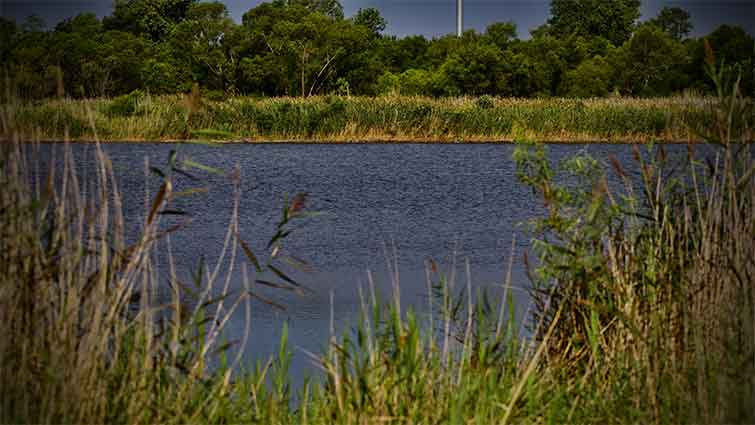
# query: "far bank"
{"type": "Point", "coordinates": [334, 119]}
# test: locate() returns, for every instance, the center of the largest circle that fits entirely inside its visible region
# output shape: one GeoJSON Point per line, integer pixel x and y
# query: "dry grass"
{"type": "Point", "coordinates": [140, 117]}
{"type": "Point", "coordinates": [646, 297]}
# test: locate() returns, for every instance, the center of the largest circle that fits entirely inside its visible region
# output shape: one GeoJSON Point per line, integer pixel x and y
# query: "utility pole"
{"type": "Point", "coordinates": [459, 17]}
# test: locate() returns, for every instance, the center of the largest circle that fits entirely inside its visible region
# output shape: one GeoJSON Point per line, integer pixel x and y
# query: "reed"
{"type": "Point", "coordinates": [97, 325]}
{"type": "Point", "coordinates": [644, 300]}
{"type": "Point", "coordinates": [139, 116]}
{"type": "Point", "coordinates": [655, 282]}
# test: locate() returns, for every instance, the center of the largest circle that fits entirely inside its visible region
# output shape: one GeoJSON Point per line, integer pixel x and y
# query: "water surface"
{"type": "Point", "coordinates": [449, 203]}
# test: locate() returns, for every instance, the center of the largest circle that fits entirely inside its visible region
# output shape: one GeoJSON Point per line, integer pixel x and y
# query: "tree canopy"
{"type": "Point", "coordinates": [308, 47]}
{"type": "Point", "coordinates": [613, 20]}
{"type": "Point", "coordinates": [675, 21]}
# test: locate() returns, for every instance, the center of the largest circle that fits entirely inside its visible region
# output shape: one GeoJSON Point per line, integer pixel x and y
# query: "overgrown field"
{"type": "Point", "coordinates": [139, 117]}
{"type": "Point", "coordinates": [644, 307]}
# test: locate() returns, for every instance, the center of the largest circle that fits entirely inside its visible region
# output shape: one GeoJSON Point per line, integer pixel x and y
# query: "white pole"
{"type": "Point", "coordinates": [459, 17]}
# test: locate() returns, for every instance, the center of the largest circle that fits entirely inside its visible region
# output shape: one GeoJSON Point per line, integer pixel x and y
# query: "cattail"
{"type": "Point", "coordinates": [299, 203]}
{"type": "Point", "coordinates": [710, 57]}
{"type": "Point", "coordinates": [616, 166]}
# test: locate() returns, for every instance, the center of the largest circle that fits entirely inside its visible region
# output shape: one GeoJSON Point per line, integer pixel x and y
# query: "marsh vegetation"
{"type": "Point", "coordinates": [333, 119]}
{"type": "Point", "coordinates": [644, 306]}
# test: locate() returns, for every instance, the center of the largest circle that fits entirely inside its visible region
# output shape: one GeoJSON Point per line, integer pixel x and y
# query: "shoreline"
{"type": "Point", "coordinates": [360, 120]}
{"type": "Point", "coordinates": [362, 142]}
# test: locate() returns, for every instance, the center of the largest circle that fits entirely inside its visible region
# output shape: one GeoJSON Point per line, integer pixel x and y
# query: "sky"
{"type": "Point", "coordinates": [430, 18]}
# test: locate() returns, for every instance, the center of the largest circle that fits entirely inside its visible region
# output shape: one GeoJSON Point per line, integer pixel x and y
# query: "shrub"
{"type": "Point", "coordinates": [126, 105]}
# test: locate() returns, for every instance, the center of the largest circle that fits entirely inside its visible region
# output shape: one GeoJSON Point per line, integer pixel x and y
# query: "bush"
{"type": "Point", "coordinates": [126, 105]}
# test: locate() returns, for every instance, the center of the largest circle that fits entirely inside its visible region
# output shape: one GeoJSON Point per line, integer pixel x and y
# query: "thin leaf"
{"type": "Point", "coordinates": [282, 275]}
{"type": "Point", "coordinates": [249, 254]}
{"type": "Point", "coordinates": [267, 301]}
{"type": "Point", "coordinates": [192, 164]}
{"type": "Point", "coordinates": [190, 192]}
{"type": "Point", "coordinates": [297, 263]}
{"type": "Point", "coordinates": [173, 212]}
{"type": "Point", "coordinates": [185, 174]}
{"type": "Point", "coordinates": [276, 285]}
{"type": "Point", "coordinates": [157, 171]}
{"type": "Point", "coordinates": [278, 236]}
{"type": "Point", "coordinates": [157, 203]}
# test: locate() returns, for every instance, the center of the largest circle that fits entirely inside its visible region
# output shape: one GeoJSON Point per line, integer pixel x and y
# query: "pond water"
{"type": "Point", "coordinates": [409, 202]}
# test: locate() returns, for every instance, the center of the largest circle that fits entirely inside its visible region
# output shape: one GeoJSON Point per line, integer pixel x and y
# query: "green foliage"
{"type": "Point", "coordinates": [395, 117]}
{"type": "Point", "coordinates": [592, 78]}
{"type": "Point", "coordinates": [329, 8]}
{"type": "Point", "coordinates": [154, 19]}
{"type": "Point", "coordinates": [501, 34]}
{"type": "Point", "coordinates": [619, 284]}
{"type": "Point", "coordinates": [485, 102]}
{"type": "Point", "coordinates": [371, 19]}
{"type": "Point", "coordinates": [474, 69]}
{"type": "Point", "coordinates": [613, 20]}
{"type": "Point", "coordinates": [650, 63]}
{"type": "Point", "coordinates": [127, 105]}
{"type": "Point", "coordinates": [306, 48]}
{"type": "Point", "coordinates": [675, 21]}
{"type": "Point", "coordinates": [644, 290]}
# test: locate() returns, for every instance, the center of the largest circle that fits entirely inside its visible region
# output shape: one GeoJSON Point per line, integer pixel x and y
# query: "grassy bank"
{"type": "Point", "coordinates": [644, 307]}
{"type": "Point", "coordinates": [338, 119]}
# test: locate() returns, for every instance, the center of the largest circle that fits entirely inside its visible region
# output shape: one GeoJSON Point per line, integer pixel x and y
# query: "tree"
{"type": "Point", "coordinates": [613, 20]}
{"type": "Point", "coordinates": [733, 49]}
{"type": "Point", "coordinates": [154, 19]}
{"type": "Point", "coordinates": [674, 21]}
{"type": "Point", "coordinates": [402, 54]}
{"type": "Point", "coordinates": [8, 32]}
{"type": "Point", "coordinates": [592, 78]}
{"type": "Point", "coordinates": [201, 42]}
{"type": "Point", "coordinates": [330, 8]}
{"type": "Point", "coordinates": [311, 50]}
{"type": "Point", "coordinates": [651, 63]}
{"type": "Point", "coordinates": [501, 33]}
{"type": "Point", "coordinates": [535, 67]}
{"type": "Point", "coordinates": [371, 19]}
{"type": "Point", "coordinates": [33, 71]}
{"type": "Point", "coordinates": [474, 69]}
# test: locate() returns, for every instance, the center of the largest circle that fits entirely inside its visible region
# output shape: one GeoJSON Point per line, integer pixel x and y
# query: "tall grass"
{"type": "Point", "coordinates": [645, 306]}
{"type": "Point", "coordinates": [100, 329]}
{"type": "Point", "coordinates": [656, 283]}
{"type": "Point", "coordinates": [84, 339]}
{"type": "Point", "coordinates": [341, 119]}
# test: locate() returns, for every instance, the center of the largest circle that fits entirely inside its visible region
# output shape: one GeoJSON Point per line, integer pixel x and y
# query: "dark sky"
{"type": "Point", "coordinates": [429, 17]}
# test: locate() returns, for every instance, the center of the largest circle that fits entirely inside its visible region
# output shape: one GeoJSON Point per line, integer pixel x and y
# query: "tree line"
{"type": "Point", "coordinates": [588, 48]}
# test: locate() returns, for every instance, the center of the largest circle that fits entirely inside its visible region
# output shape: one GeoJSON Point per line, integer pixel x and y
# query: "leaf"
{"type": "Point", "coordinates": [267, 301]}
{"type": "Point", "coordinates": [157, 171]}
{"type": "Point", "coordinates": [185, 174]}
{"type": "Point", "coordinates": [282, 275]}
{"type": "Point", "coordinates": [278, 236]}
{"type": "Point", "coordinates": [157, 203]}
{"type": "Point", "coordinates": [192, 164]}
{"type": "Point", "coordinates": [188, 192]}
{"type": "Point", "coordinates": [275, 285]}
{"type": "Point", "coordinates": [297, 263]}
{"type": "Point", "coordinates": [224, 347]}
{"type": "Point", "coordinates": [249, 254]}
{"type": "Point", "coordinates": [215, 300]}
{"type": "Point", "coordinates": [172, 158]}
{"type": "Point", "coordinates": [173, 212]}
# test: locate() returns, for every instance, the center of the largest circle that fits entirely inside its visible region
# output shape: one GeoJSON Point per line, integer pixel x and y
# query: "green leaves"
{"type": "Point", "coordinates": [613, 20]}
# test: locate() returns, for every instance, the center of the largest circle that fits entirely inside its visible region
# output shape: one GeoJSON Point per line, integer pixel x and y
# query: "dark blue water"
{"type": "Point", "coordinates": [449, 203]}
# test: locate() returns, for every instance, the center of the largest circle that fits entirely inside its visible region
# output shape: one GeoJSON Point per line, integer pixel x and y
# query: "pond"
{"type": "Point", "coordinates": [380, 204]}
